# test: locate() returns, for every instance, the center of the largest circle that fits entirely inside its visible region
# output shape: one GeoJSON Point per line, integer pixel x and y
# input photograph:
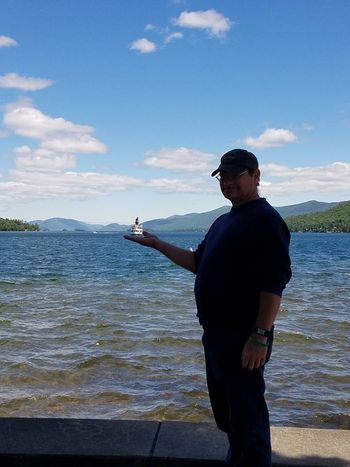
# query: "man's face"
{"type": "Point", "coordinates": [240, 189]}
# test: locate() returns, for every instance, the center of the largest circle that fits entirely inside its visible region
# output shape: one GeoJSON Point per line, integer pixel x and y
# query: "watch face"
{"type": "Point", "coordinates": [261, 332]}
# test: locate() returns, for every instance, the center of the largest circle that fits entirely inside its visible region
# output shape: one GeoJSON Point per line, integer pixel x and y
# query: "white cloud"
{"type": "Point", "coordinates": [48, 171]}
{"type": "Point", "coordinates": [27, 185]}
{"type": "Point", "coordinates": [278, 180]}
{"type": "Point", "coordinates": [42, 160]}
{"type": "Point", "coordinates": [172, 37]}
{"type": "Point", "coordinates": [54, 133]}
{"type": "Point", "coordinates": [271, 138]}
{"type": "Point", "coordinates": [184, 159]}
{"type": "Point", "coordinates": [181, 186]}
{"type": "Point", "coordinates": [76, 143]}
{"type": "Point", "coordinates": [26, 120]}
{"type": "Point", "coordinates": [14, 81]}
{"type": "Point", "coordinates": [143, 46]}
{"type": "Point", "coordinates": [6, 41]}
{"type": "Point", "coordinates": [332, 178]}
{"type": "Point", "coordinates": [44, 174]}
{"type": "Point", "coordinates": [214, 23]}
{"type": "Point", "coordinates": [211, 21]}
{"type": "Point", "coordinates": [150, 27]}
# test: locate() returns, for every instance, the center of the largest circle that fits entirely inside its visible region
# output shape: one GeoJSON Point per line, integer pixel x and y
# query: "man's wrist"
{"type": "Point", "coordinates": [258, 340]}
{"type": "Point", "coordinates": [262, 339]}
{"type": "Point", "coordinates": [262, 332]}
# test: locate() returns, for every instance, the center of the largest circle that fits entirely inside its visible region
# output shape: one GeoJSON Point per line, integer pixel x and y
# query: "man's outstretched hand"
{"type": "Point", "coordinates": [147, 239]}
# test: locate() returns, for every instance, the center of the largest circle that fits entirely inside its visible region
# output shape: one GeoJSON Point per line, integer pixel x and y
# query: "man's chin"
{"type": "Point", "coordinates": [232, 195]}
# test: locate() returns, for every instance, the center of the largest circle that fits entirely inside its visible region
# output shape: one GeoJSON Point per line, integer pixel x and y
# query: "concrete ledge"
{"type": "Point", "coordinates": [75, 442]}
{"type": "Point", "coordinates": [189, 444]}
{"type": "Point", "coordinates": [36, 442]}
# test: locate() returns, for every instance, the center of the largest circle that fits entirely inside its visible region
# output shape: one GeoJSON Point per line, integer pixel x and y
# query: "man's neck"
{"type": "Point", "coordinates": [245, 201]}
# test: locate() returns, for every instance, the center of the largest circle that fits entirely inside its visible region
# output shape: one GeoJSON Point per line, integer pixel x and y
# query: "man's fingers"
{"type": "Point", "coordinates": [253, 356]}
{"type": "Point", "coordinates": [252, 365]}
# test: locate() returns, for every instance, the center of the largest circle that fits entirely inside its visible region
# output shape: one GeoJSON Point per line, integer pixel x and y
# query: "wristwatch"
{"type": "Point", "coordinates": [261, 331]}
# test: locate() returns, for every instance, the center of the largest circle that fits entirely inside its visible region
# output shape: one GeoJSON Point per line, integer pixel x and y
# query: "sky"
{"type": "Point", "coordinates": [112, 109]}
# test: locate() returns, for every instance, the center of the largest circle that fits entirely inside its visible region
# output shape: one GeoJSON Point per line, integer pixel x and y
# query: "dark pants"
{"type": "Point", "coordinates": [237, 398]}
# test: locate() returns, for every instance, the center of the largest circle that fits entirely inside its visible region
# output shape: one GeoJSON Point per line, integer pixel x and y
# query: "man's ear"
{"type": "Point", "coordinates": [257, 177]}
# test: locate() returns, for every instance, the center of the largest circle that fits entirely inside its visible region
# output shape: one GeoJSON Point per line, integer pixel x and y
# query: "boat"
{"type": "Point", "coordinates": [137, 228]}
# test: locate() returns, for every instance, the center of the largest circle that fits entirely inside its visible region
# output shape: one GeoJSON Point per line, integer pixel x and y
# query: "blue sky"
{"type": "Point", "coordinates": [117, 108]}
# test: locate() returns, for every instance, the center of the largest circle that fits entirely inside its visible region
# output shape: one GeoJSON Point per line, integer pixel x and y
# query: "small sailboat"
{"type": "Point", "coordinates": [137, 228]}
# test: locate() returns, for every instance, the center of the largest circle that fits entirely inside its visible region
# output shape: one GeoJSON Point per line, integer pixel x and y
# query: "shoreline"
{"type": "Point", "coordinates": [93, 442]}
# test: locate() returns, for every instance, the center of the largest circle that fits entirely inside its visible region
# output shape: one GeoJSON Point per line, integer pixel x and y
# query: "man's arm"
{"type": "Point", "coordinates": [275, 264]}
{"type": "Point", "coordinates": [254, 351]}
{"type": "Point", "coordinates": [179, 256]}
{"type": "Point", "coordinates": [268, 308]}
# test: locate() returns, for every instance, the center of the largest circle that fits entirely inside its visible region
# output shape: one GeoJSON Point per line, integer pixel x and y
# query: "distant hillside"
{"type": "Point", "coordinates": [204, 220]}
{"type": "Point", "coordinates": [336, 219]}
{"type": "Point", "coordinates": [193, 221]}
{"type": "Point", "coordinates": [304, 208]}
{"type": "Point", "coordinates": [187, 222]}
{"type": "Point", "coordinates": [114, 228]}
{"type": "Point", "coordinates": [58, 224]}
{"type": "Point", "coordinates": [10, 225]}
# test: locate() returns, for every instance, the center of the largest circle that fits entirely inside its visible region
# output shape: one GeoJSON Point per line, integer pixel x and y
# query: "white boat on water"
{"type": "Point", "coordinates": [137, 228]}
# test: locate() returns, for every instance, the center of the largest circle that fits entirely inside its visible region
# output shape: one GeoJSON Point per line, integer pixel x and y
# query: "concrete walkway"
{"type": "Point", "coordinates": [36, 442]}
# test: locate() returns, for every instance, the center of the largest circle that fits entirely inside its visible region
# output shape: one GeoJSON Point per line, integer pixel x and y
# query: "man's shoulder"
{"type": "Point", "coordinates": [266, 218]}
{"type": "Point", "coordinates": [221, 218]}
{"type": "Point", "coordinates": [267, 210]}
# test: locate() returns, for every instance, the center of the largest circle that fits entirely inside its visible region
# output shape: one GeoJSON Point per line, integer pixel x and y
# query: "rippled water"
{"type": "Point", "coordinates": [95, 326]}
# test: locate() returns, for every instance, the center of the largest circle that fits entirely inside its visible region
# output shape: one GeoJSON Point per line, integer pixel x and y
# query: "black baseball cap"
{"type": "Point", "coordinates": [236, 161]}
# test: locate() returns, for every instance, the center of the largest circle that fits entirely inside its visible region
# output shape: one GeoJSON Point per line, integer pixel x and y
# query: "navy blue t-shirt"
{"type": "Point", "coordinates": [245, 252]}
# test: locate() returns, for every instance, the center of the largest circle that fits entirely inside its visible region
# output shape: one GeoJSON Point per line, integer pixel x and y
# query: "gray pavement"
{"type": "Point", "coordinates": [36, 442]}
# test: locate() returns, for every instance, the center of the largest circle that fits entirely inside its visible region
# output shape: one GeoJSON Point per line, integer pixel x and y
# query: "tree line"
{"type": "Point", "coordinates": [17, 225]}
{"type": "Point", "coordinates": [336, 219]}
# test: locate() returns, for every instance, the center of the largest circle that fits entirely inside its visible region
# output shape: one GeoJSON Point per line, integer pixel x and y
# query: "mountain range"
{"type": "Point", "coordinates": [186, 222]}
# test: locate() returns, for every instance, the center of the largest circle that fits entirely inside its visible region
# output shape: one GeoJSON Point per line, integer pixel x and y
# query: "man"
{"type": "Point", "coordinates": [242, 266]}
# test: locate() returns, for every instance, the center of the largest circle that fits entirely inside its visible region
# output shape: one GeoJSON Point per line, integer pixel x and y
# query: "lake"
{"type": "Point", "coordinates": [94, 326]}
